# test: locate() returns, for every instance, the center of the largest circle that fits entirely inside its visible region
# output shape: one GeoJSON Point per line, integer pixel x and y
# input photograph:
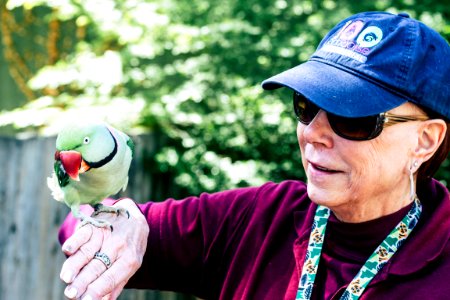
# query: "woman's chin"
{"type": "Point", "coordinates": [328, 197]}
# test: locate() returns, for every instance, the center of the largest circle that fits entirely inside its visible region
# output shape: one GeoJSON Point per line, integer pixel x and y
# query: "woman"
{"type": "Point", "coordinates": [373, 103]}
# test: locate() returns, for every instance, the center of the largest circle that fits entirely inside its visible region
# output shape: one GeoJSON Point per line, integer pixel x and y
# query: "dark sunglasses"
{"type": "Point", "coordinates": [356, 129]}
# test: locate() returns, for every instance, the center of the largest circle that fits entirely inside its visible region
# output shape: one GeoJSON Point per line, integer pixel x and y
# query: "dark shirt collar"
{"type": "Point", "coordinates": [357, 241]}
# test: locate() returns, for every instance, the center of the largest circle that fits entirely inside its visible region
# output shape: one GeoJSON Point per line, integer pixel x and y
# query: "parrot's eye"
{"type": "Point", "coordinates": [86, 140]}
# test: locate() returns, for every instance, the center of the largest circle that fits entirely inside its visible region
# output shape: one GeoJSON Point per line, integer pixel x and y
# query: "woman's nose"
{"type": "Point", "coordinates": [319, 130]}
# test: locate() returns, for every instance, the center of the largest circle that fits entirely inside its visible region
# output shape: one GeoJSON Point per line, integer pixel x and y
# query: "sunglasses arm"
{"type": "Point", "coordinates": [391, 119]}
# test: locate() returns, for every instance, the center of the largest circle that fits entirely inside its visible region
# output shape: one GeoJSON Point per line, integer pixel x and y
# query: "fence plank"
{"type": "Point", "coordinates": [30, 255]}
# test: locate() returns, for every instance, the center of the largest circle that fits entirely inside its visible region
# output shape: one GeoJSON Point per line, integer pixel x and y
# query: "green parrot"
{"type": "Point", "coordinates": [91, 163]}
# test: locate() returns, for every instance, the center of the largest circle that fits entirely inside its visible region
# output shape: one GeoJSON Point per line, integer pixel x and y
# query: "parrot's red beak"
{"type": "Point", "coordinates": [71, 161]}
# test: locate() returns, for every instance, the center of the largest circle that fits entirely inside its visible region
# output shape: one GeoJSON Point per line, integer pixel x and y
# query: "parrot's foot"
{"type": "Point", "coordinates": [95, 222]}
{"type": "Point", "coordinates": [100, 208]}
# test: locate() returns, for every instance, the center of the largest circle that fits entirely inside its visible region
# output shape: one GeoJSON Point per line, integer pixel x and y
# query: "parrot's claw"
{"type": "Point", "coordinates": [95, 222]}
{"type": "Point", "coordinates": [100, 208]}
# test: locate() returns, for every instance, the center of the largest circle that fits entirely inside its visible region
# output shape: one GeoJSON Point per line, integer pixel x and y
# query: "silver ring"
{"type": "Point", "coordinates": [103, 258]}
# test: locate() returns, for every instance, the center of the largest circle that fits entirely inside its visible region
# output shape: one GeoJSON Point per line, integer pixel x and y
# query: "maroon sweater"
{"type": "Point", "coordinates": [250, 243]}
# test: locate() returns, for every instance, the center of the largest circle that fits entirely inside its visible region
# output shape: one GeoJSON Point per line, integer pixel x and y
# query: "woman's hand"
{"type": "Point", "coordinates": [125, 246]}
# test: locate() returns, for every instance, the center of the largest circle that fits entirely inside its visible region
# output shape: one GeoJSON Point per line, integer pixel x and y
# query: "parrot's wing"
{"type": "Point", "coordinates": [53, 185]}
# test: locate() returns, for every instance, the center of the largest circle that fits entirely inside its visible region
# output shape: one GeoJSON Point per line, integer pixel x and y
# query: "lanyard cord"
{"type": "Point", "coordinates": [371, 267]}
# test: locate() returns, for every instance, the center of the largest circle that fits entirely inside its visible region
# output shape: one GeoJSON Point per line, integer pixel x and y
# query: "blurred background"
{"type": "Point", "coordinates": [182, 77]}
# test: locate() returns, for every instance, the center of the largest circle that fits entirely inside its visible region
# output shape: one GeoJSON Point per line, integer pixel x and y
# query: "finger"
{"type": "Point", "coordinates": [130, 206]}
{"type": "Point", "coordinates": [115, 293]}
{"type": "Point", "coordinates": [111, 280]}
{"type": "Point", "coordinates": [90, 273]}
{"type": "Point", "coordinates": [81, 257]}
{"type": "Point", "coordinates": [80, 237]}
{"type": "Point", "coordinates": [107, 297]}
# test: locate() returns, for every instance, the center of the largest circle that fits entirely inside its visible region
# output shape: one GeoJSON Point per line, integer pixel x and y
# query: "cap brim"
{"type": "Point", "coordinates": [336, 90]}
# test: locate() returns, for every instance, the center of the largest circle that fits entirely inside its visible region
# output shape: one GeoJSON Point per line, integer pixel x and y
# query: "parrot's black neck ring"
{"type": "Point", "coordinates": [107, 159]}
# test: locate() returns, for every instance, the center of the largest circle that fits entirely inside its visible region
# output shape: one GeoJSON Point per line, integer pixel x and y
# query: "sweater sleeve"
{"type": "Point", "coordinates": [187, 241]}
{"type": "Point", "coordinates": [228, 245]}
{"type": "Point", "coordinates": [189, 238]}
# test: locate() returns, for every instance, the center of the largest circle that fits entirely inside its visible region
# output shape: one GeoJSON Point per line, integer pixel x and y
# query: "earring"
{"type": "Point", "coordinates": [412, 191]}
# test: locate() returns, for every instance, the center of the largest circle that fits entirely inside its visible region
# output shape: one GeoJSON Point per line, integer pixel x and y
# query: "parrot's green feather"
{"type": "Point", "coordinates": [63, 178]}
{"type": "Point", "coordinates": [130, 144]}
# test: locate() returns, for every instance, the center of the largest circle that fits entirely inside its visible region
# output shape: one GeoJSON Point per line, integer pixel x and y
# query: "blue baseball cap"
{"type": "Point", "coordinates": [372, 62]}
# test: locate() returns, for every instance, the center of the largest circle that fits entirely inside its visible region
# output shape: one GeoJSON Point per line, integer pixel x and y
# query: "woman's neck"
{"type": "Point", "coordinates": [362, 211]}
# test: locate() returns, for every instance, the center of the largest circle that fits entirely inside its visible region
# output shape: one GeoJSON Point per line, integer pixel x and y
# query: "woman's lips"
{"type": "Point", "coordinates": [321, 168]}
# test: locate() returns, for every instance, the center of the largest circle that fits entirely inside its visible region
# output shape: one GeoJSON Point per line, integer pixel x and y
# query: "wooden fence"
{"type": "Point", "coordinates": [30, 255]}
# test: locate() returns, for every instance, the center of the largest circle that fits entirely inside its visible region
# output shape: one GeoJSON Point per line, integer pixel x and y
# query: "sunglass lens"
{"type": "Point", "coordinates": [363, 128]}
{"type": "Point", "coordinates": [355, 128]}
{"type": "Point", "coordinates": [304, 109]}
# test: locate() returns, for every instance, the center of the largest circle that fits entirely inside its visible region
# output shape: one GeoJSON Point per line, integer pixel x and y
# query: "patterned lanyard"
{"type": "Point", "coordinates": [372, 266]}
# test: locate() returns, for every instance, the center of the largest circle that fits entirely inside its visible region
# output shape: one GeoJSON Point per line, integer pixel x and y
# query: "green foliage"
{"type": "Point", "coordinates": [198, 65]}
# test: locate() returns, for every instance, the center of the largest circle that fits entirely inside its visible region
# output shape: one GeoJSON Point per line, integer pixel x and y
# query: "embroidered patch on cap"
{"type": "Point", "coordinates": [370, 36]}
{"type": "Point", "coordinates": [350, 41]}
{"type": "Point", "coordinates": [351, 30]}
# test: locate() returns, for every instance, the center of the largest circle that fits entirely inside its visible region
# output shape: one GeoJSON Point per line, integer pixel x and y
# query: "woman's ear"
{"type": "Point", "coordinates": [431, 135]}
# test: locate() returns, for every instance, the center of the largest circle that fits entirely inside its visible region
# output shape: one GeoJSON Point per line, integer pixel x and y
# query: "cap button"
{"type": "Point", "coordinates": [403, 14]}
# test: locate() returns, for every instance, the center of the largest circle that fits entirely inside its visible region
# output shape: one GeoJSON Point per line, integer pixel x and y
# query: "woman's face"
{"type": "Point", "coordinates": [355, 177]}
